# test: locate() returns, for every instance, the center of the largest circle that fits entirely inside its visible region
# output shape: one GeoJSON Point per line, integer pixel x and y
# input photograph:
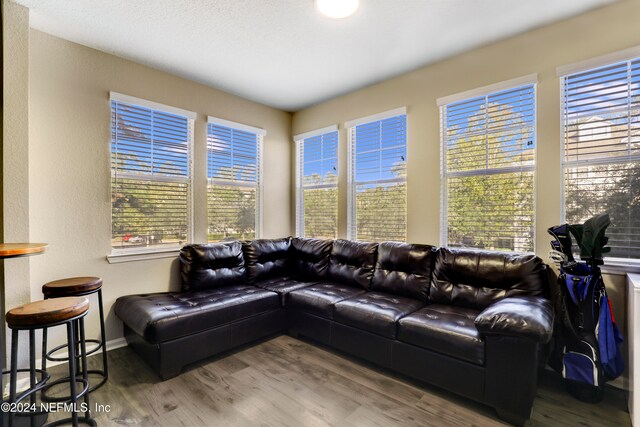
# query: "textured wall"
{"type": "Point", "coordinates": [15, 175]}
{"type": "Point", "coordinates": [69, 175]}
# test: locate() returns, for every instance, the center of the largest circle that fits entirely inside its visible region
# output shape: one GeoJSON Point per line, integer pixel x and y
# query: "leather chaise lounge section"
{"type": "Point", "coordinates": [473, 322]}
{"type": "Point", "coordinates": [216, 310]}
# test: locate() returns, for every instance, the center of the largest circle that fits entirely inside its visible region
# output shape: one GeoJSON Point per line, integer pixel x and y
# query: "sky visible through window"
{"type": "Point", "coordinates": [381, 150]}
{"type": "Point", "coordinates": [604, 90]}
{"type": "Point", "coordinates": [233, 154]}
{"type": "Point", "coordinates": [321, 159]}
{"type": "Point", "coordinates": [149, 141]}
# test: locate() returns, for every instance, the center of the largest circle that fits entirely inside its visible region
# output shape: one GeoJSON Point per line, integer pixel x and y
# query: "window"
{"type": "Point", "coordinates": [317, 184]}
{"type": "Point", "coordinates": [488, 165]}
{"type": "Point", "coordinates": [377, 177]}
{"type": "Point", "coordinates": [601, 168]}
{"type": "Point", "coordinates": [234, 154]}
{"type": "Point", "coordinates": [150, 175]}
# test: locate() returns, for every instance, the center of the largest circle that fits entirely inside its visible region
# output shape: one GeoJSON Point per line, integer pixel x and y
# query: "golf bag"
{"type": "Point", "coordinates": [589, 339]}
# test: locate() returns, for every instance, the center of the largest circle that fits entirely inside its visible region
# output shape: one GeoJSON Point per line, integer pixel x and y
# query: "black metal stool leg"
{"type": "Point", "coordinates": [85, 375]}
{"type": "Point", "coordinates": [44, 349]}
{"type": "Point", "coordinates": [14, 373]}
{"type": "Point", "coordinates": [78, 361]}
{"type": "Point", "coordinates": [32, 373]}
{"type": "Point", "coordinates": [103, 338]}
{"type": "Point", "coordinates": [71, 339]}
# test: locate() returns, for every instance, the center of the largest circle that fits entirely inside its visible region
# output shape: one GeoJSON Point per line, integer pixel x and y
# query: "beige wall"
{"type": "Point", "coordinates": [15, 173]}
{"type": "Point", "coordinates": [599, 32]}
{"type": "Point", "coordinates": [69, 170]}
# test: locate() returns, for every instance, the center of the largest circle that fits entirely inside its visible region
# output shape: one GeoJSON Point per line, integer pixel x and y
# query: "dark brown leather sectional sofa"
{"type": "Point", "coordinates": [473, 322]}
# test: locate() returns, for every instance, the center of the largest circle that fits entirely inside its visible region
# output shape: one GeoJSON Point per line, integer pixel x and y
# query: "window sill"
{"type": "Point", "coordinates": [620, 266]}
{"type": "Point", "coordinates": [117, 257]}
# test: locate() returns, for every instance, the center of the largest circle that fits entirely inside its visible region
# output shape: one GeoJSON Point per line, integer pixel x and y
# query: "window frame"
{"type": "Point", "coordinates": [260, 135]}
{"type": "Point", "coordinates": [123, 254]}
{"type": "Point", "coordinates": [351, 183]}
{"type": "Point", "coordinates": [614, 265]}
{"type": "Point", "coordinates": [299, 141]}
{"type": "Point", "coordinates": [486, 91]}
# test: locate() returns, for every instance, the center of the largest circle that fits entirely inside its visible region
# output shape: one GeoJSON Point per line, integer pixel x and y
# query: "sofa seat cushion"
{"type": "Point", "coordinates": [166, 316]}
{"type": "Point", "coordinates": [445, 329]}
{"type": "Point", "coordinates": [375, 312]}
{"type": "Point", "coordinates": [320, 298]}
{"type": "Point", "coordinates": [282, 286]}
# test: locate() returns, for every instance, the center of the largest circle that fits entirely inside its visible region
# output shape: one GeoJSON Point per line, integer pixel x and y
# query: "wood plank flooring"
{"type": "Point", "coordinates": [288, 382]}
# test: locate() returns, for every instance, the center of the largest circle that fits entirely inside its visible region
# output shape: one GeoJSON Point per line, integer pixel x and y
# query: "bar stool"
{"type": "Point", "coordinates": [43, 314]}
{"type": "Point", "coordinates": [77, 286]}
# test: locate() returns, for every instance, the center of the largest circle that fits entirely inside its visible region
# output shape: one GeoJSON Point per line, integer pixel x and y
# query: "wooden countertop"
{"type": "Point", "coordinates": [10, 250]}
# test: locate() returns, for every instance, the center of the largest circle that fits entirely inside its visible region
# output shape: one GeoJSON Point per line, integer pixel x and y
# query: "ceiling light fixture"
{"type": "Point", "coordinates": [337, 9]}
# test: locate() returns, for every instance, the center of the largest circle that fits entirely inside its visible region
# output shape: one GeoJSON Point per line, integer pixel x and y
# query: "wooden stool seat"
{"type": "Point", "coordinates": [46, 312]}
{"type": "Point", "coordinates": [71, 287]}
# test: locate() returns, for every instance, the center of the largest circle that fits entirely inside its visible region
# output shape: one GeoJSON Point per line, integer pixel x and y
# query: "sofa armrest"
{"type": "Point", "coordinates": [529, 317]}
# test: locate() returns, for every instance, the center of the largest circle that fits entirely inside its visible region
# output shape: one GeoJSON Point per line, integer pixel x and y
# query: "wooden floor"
{"type": "Point", "coordinates": [287, 382]}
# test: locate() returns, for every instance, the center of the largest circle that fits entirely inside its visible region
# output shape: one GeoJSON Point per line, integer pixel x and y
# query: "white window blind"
{"type": "Point", "coordinates": [601, 161]}
{"type": "Point", "coordinates": [150, 177]}
{"type": "Point", "coordinates": [234, 181]}
{"type": "Point", "coordinates": [378, 180]}
{"type": "Point", "coordinates": [488, 164]}
{"type": "Point", "coordinates": [317, 182]}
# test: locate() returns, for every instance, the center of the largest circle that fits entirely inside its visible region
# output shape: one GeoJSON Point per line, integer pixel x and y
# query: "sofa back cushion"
{"type": "Point", "coordinates": [310, 258]}
{"type": "Point", "coordinates": [476, 279]}
{"type": "Point", "coordinates": [266, 258]}
{"type": "Point", "coordinates": [211, 266]}
{"type": "Point", "coordinates": [404, 269]}
{"type": "Point", "coordinates": [352, 263]}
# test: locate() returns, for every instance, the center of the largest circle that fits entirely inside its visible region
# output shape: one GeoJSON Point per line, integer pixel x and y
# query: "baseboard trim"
{"type": "Point", "coordinates": [622, 382]}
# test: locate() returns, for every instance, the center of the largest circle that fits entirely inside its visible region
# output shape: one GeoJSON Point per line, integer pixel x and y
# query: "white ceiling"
{"type": "Point", "coordinates": [282, 52]}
